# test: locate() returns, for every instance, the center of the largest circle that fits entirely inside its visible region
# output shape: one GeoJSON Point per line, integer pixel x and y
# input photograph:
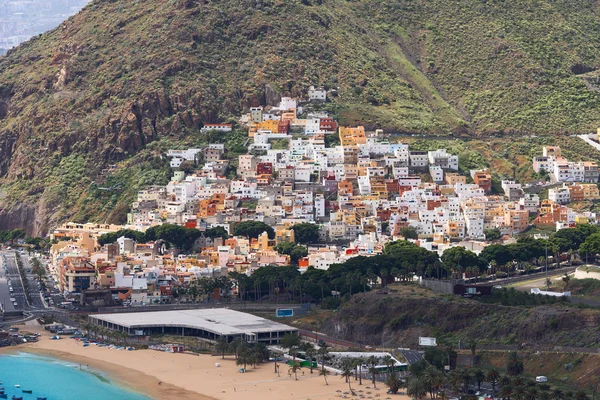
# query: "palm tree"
{"type": "Point", "coordinates": [454, 380]}
{"type": "Point", "coordinates": [323, 352]}
{"type": "Point", "coordinates": [504, 381]}
{"type": "Point", "coordinates": [514, 364]}
{"type": "Point", "coordinates": [415, 387]}
{"type": "Point", "coordinates": [358, 362]}
{"type": "Point", "coordinates": [432, 378]}
{"type": "Point", "coordinates": [236, 345]}
{"type": "Point", "coordinates": [275, 357]}
{"type": "Point", "coordinates": [260, 352]}
{"type": "Point", "coordinates": [506, 392]}
{"type": "Point", "coordinates": [556, 255]}
{"type": "Point", "coordinates": [243, 358]}
{"type": "Point", "coordinates": [570, 253]}
{"type": "Point", "coordinates": [557, 394]}
{"type": "Point", "coordinates": [87, 327]}
{"type": "Point", "coordinates": [221, 346]}
{"type": "Point", "coordinates": [94, 329]}
{"type": "Point", "coordinates": [492, 377]}
{"type": "Point", "coordinates": [324, 372]}
{"type": "Point", "coordinates": [372, 362]}
{"type": "Point", "coordinates": [347, 367]}
{"type": "Point", "coordinates": [479, 376]}
{"type": "Point", "coordinates": [473, 348]}
{"type": "Point", "coordinates": [394, 383]}
{"type": "Point", "coordinates": [473, 270]}
{"type": "Point", "coordinates": [389, 363]}
{"type": "Point", "coordinates": [310, 351]}
{"type": "Point", "coordinates": [519, 392]}
{"type": "Point", "coordinates": [293, 352]}
{"type": "Point", "coordinates": [294, 368]}
{"type": "Point", "coordinates": [466, 379]}
{"type": "Point", "coordinates": [493, 264]}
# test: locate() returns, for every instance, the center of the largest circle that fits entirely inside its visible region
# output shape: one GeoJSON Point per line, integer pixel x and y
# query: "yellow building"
{"type": "Point", "coordinates": [289, 115]}
{"type": "Point", "coordinates": [350, 136]}
{"type": "Point", "coordinates": [283, 234]}
{"type": "Point", "coordinates": [590, 191]}
{"type": "Point", "coordinates": [268, 125]}
{"type": "Point", "coordinates": [452, 178]}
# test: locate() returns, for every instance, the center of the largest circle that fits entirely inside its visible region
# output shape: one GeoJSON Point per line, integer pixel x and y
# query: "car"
{"type": "Point", "coordinates": [15, 304]}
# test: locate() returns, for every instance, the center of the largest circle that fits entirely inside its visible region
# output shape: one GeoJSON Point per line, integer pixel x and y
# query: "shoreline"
{"type": "Point", "coordinates": [127, 378]}
{"type": "Point", "coordinates": [197, 377]}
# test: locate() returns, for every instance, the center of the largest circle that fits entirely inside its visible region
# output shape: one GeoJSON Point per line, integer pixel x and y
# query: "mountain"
{"type": "Point", "coordinates": [87, 109]}
{"type": "Point", "coordinates": [20, 20]}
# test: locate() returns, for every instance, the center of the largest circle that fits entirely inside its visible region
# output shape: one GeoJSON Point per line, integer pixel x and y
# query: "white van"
{"type": "Point", "coordinates": [541, 379]}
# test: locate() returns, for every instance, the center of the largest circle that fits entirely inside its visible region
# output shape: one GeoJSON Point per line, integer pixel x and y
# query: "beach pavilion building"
{"type": "Point", "coordinates": [210, 323]}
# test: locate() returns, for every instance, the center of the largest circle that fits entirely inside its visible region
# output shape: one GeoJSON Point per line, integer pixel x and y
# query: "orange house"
{"type": "Point", "coordinates": [556, 214]}
{"type": "Point", "coordinates": [303, 263]}
{"type": "Point", "coordinates": [483, 179]}
{"type": "Point", "coordinates": [352, 136]}
{"type": "Point", "coordinates": [345, 186]}
{"type": "Point", "coordinates": [219, 198]}
{"type": "Point", "coordinates": [433, 204]}
{"type": "Point", "coordinates": [208, 208]}
{"type": "Point", "coordinates": [576, 192]}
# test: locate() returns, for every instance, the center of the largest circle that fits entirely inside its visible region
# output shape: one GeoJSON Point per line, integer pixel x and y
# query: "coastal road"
{"type": "Point", "coordinates": [412, 356]}
{"type": "Point", "coordinates": [11, 275]}
{"type": "Point", "coordinates": [34, 293]}
{"type": "Point", "coordinates": [5, 293]}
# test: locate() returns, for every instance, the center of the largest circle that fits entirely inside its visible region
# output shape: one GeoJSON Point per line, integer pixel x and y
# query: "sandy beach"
{"type": "Point", "coordinates": [186, 376]}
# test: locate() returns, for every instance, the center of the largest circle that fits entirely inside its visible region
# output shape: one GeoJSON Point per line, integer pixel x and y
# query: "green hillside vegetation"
{"type": "Point", "coordinates": [405, 312]}
{"type": "Point", "coordinates": [119, 82]}
{"type": "Point", "coordinates": [507, 157]}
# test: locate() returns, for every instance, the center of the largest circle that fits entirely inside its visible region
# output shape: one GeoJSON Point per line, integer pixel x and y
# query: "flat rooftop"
{"type": "Point", "coordinates": [221, 321]}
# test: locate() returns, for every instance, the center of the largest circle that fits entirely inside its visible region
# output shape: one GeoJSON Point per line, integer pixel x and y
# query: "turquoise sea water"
{"type": "Point", "coordinates": [57, 380]}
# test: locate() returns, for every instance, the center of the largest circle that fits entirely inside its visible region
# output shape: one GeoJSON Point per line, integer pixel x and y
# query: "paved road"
{"type": "Point", "coordinates": [12, 275]}
{"type": "Point", "coordinates": [9, 275]}
{"type": "Point", "coordinates": [412, 356]}
{"type": "Point", "coordinates": [34, 293]}
{"type": "Point", "coordinates": [5, 293]}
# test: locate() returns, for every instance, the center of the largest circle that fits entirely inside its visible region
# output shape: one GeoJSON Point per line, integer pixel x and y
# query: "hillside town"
{"type": "Point", "coordinates": [353, 196]}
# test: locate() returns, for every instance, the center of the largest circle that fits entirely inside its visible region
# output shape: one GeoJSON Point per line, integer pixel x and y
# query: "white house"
{"type": "Point", "coordinates": [317, 94]}
{"type": "Point", "coordinates": [442, 159]}
{"type": "Point", "coordinates": [437, 173]}
{"type": "Point", "coordinates": [560, 195]}
{"type": "Point", "coordinates": [530, 202]}
{"type": "Point", "coordinates": [216, 127]}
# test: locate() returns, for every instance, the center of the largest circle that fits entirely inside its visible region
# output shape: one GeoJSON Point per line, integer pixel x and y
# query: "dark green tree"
{"type": "Point", "coordinates": [408, 232]}
{"type": "Point", "coordinates": [492, 234]}
{"type": "Point", "coordinates": [253, 229]}
{"type": "Point", "coordinates": [306, 233]}
{"type": "Point", "coordinates": [215, 232]}
{"type": "Point", "coordinates": [514, 364]}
